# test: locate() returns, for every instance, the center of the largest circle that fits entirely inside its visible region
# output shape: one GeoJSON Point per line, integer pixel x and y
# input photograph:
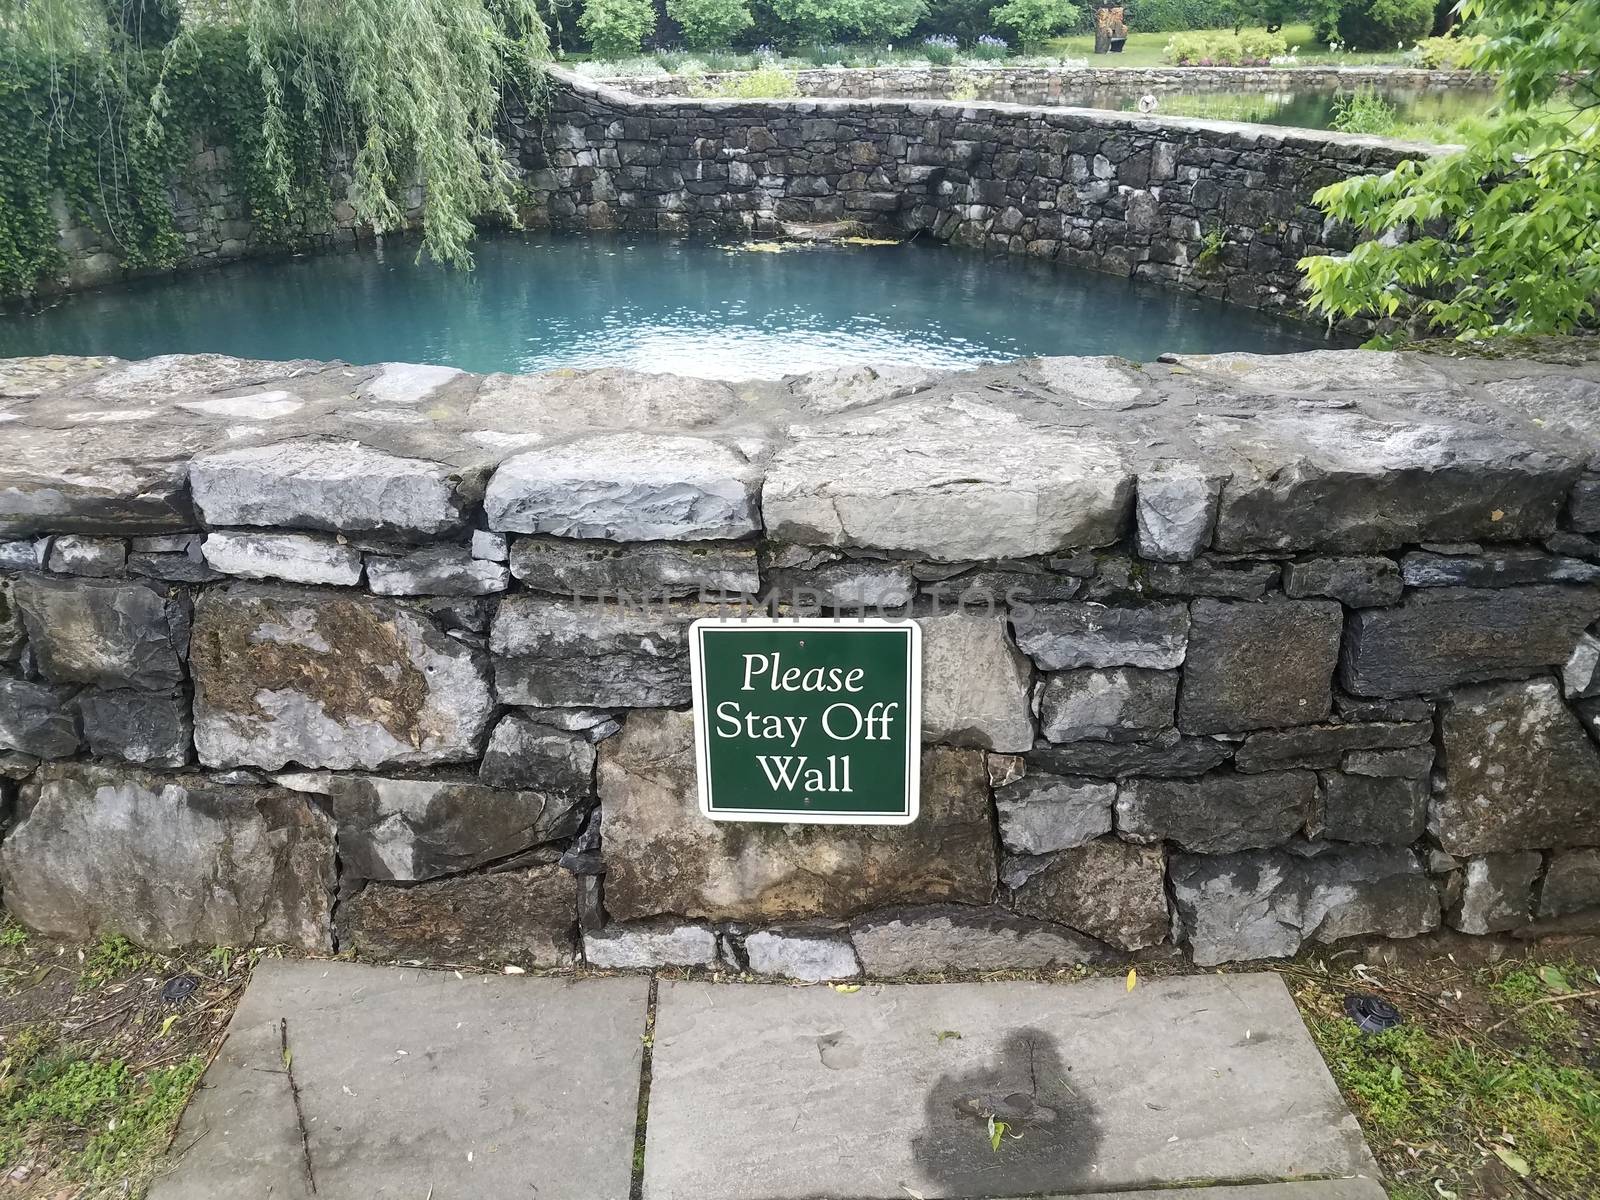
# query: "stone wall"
{"type": "Point", "coordinates": [1065, 85]}
{"type": "Point", "coordinates": [1233, 653]}
{"type": "Point", "coordinates": [1217, 208]}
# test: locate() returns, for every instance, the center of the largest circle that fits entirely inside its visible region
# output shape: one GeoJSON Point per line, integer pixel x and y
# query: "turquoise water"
{"type": "Point", "coordinates": [536, 302]}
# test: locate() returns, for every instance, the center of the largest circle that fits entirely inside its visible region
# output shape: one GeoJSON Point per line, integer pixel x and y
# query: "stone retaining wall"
{"type": "Point", "coordinates": [1218, 208]}
{"type": "Point", "coordinates": [1057, 85]}
{"type": "Point", "coordinates": [1233, 653]}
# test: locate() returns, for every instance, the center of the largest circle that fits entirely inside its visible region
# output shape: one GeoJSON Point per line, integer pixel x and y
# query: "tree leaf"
{"type": "Point", "coordinates": [1513, 1160]}
{"type": "Point", "coordinates": [1133, 978]}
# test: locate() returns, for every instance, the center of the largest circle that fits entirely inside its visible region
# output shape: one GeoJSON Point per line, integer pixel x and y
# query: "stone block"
{"type": "Point", "coordinates": [845, 584]}
{"type": "Point", "coordinates": [1326, 746]}
{"type": "Point", "coordinates": [1218, 813]}
{"type": "Point", "coordinates": [662, 857]}
{"type": "Point", "coordinates": [1414, 762]}
{"type": "Point", "coordinates": [570, 567]}
{"type": "Point", "coordinates": [1167, 755]}
{"type": "Point", "coordinates": [1442, 637]}
{"type": "Point", "coordinates": [1043, 813]}
{"type": "Point", "coordinates": [975, 684]}
{"type": "Point", "coordinates": [413, 829]}
{"type": "Point", "coordinates": [1357, 582]}
{"type": "Point", "coordinates": [525, 752]}
{"type": "Point", "coordinates": [1495, 568]}
{"type": "Point", "coordinates": [563, 653]}
{"type": "Point", "coordinates": [1268, 903]}
{"type": "Point", "coordinates": [1066, 636]}
{"type": "Point", "coordinates": [809, 955]}
{"type": "Point", "coordinates": [628, 487]}
{"type": "Point", "coordinates": [436, 571]}
{"type": "Point", "coordinates": [650, 944]}
{"type": "Point", "coordinates": [80, 554]}
{"type": "Point", "coordinates": [169, 860]}
{"type": "Point", "coordinates": [105, 633]}
{"type": "Point", "coordinates": [951, 937]}
{"type": "Point", "coordinates": [1174, 513]}
{"type": "Point", "coordinates": [1109, 889]}
{"type": "Point", "coordinates": [1365, 808]}
{"type": "Point", "coordinates": [1571, 883]}
{"type": "Point", "coordinates": [525, 918]}
{"type": "Point", "coordinates": [39, 719]}
{"type": "Point", "coordinates": [1497, 892]}
{"type": "Point", "coordinates": [337, 486]}
{"type": "Point", "coordinates": [1259, 666]}
{"type": "Point", "coordinates": [1118, 704]}
{"type": "Point", "coordinates": [1519, 772]}
{"type": "Point", "coordinates": [141, 727]}
{"type": "Point", "coordinates": [332, 679]}
{"type": "Point", "coordinates": [292, 557]}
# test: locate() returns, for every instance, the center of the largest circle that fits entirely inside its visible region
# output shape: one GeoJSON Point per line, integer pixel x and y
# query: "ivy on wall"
{"type": "Point", "coordinates": [103, 104]}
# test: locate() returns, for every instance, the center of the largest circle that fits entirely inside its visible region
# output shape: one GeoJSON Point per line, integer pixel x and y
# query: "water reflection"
{"type": "Point", "coordinates": [537, 302]}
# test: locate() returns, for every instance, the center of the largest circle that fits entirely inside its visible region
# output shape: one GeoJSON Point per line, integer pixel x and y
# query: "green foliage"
{"type": "Point", "coordinates": [111, 956]}
{"type": "Point", "coordinates": [710, 24]}
{"type": "Point", "coordinates": [1218, 48]}
{"type": "Point", "coordinates": [617, 28]}
{"type": "Point", "coordinates": [1178, 16]}
{"type": "Point", "coordinates": [1503, 237]}
{"type": "Point", "coordinates": [1384, 24]}
{"type": "Point", "coordinates": [809, 22]}
{"type": "Point", "coordinates": [1036, 20]}
{"type": "Point", "coordinates": [102, 101]}
{"type": "Point", "coordinates": [764, 83]}
{"type": "Point", "coordinates": [1363, 111]}
{"type": "Point", "coordinates": [963, 19]}
{"type": "Point", "coordinates": [1447, 53]}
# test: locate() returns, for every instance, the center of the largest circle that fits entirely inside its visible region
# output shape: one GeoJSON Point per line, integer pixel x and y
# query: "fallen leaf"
{"type": "Point", "coordinates": [1513, 1160]}
{"type": "Point", "coordinates": [514, 970]}
{"type": "Point", "coordinates": [1554, 980]}
{"type": "Point", "coordinates": [847, 988]}
{"type": "Point", "coordinates": [945, 1035]}
{"type": "Point", "coordinates": [1133, 978]}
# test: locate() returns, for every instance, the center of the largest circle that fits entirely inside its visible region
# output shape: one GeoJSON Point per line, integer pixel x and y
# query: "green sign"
{"type": "Point", "coordinates": [808, 719]}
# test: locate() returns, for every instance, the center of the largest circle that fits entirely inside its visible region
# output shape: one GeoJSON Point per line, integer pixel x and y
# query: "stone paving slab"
{"type": "Point", "coordinates": [416, 1084]}
{"type": "Point", "coordinates": [1311, 1189]}
{"type": "Point", "coordinates": [781, 1093]}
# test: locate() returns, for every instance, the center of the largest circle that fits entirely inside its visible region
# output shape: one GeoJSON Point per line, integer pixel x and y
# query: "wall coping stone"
{"type": "Point", "coordinates": [1343, 451]}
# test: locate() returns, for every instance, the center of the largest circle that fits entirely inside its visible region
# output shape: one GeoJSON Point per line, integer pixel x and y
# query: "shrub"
{"type": "Point", "coordinates": [1448, 53]}
{"type": "Point", "coordinates": [710, 24]}
{"type": "Point", "coordinates": [1036, 20]}
{"type": "Point", "coordinates": [803, 22]}
{"type": "Point", "coordinates": [964, 19]}
{"type": "Point", "coordinates": [766, 83]}
{"type": "Point", "coordinates": [990, 49]}
{"type": "Point", "coordinates": [940, 50]}
{"type": "Point", "coordinates": [1178, 16]}
{"type": "Point", "coordinates": [616, 28]}
{"type": "Point", "coordinates": [884, 20]}
{"type": "Point", "coordinates": [1384, 24]}
{"type": "Point", "coordinates": [1218, 48]}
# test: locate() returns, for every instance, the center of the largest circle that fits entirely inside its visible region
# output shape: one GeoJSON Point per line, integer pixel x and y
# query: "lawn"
{"type": "Point", "coordinates": [1146, 50]}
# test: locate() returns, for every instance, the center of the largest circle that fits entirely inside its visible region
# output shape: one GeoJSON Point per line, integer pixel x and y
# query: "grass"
{"type": "Point", "coordinates": [1148, 50]}
{"type": "Point", "coordinates": [1488, 1088]}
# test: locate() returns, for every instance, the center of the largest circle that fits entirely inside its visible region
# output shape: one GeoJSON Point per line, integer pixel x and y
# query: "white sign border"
{"type": "Point", "coordinates": [785, 816]}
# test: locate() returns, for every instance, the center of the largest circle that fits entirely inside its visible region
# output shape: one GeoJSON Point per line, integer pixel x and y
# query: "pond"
{"type": "Point", "coordinates": [719, 310]}
{"type": "Point", "coordinates": [1313, 108]}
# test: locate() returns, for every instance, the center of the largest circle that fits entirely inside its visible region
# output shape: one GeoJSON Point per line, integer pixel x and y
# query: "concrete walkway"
{"type": "Point", "coordinates": [405, 1083]}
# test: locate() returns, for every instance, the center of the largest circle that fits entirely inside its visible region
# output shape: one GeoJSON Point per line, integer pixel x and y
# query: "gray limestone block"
{"type": "Point", "coordinates": [975, 684]}
{"type": "Point", "coordinates": [1268, 903]}
{"type": "Point", "coordinates": [1109, 889]}
{"type": "Point", "coordinates": [104, 632]}
{"type": "Point", "coordinates": [1326, 745]}
{"type": "Point", "coordinates": [574, 567]}
{"type": "Point", "coordinates": [291, 557]}
{"type": "Point", "coordinates": [1414, 762]}
{"type": "Point", "coordinates": [1519, 772]}
{"type": "Point", "coordinates": [333, 485]}
{"type": "Point", "coordinates": [169, 860]}
{"type": "Point", "coordinates": [952, 937]}
{"type": "Point", "coordinates": [1511, 567]}
{"type": "Point", "coordinates": [39, 719]}
{"type": "Point", "coordinates": [81, 554]}
{"type": "Point", "coordinates": [1044, 813]}
{"type": "Point", "coordinates": [1168, 755]}
{"type": "Point", "coordinates": [141, 727]}
{"type": "Point", "coordinates": [1174, 513]}
{"type": "Point", "coordinates": [435, 571]}
{"type": "Point", "coordinates": [522, 917]}
{"type": "Point", "coordinates": [1497, 892]}
{"type": "Point", "coordinates": [1580, 676]}
{"type": "Point", "coordinates": [1217, 813]}
{"type": "Point", "coordinates": [1571, 883]}
{"type": "Point", "coordinates": [847, 584]}
{"type": "Point", "coordinates": [646, 945]}
{"type": "Point", "coordinates": [1210, 575]}
{"type": "Point", "coordinates": [568, 653]}
{"type": "Point", "coordinates": [414, 829]}
{"type": "Point", "coordinates": [336, 679]}
{"type": "Point", "coordinates": [1257, 666]}
{"type": "Point", "coordinates": [1441, 637]}
{"type": "Point", "coordinates": [1366, 808]}
{"type": "Point", "coordinates": [1117, 704]}
{"type": "Point", "coordinates": [525, 752]}
{"type": "Point", "coordinates": [1069, 635]}
{"type": "Point", "coordinates": [809, 954]}
{"type": "Point", "coordinates": [628, 487]}
{"type": "Point", "coordinates": [1358, 582]}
